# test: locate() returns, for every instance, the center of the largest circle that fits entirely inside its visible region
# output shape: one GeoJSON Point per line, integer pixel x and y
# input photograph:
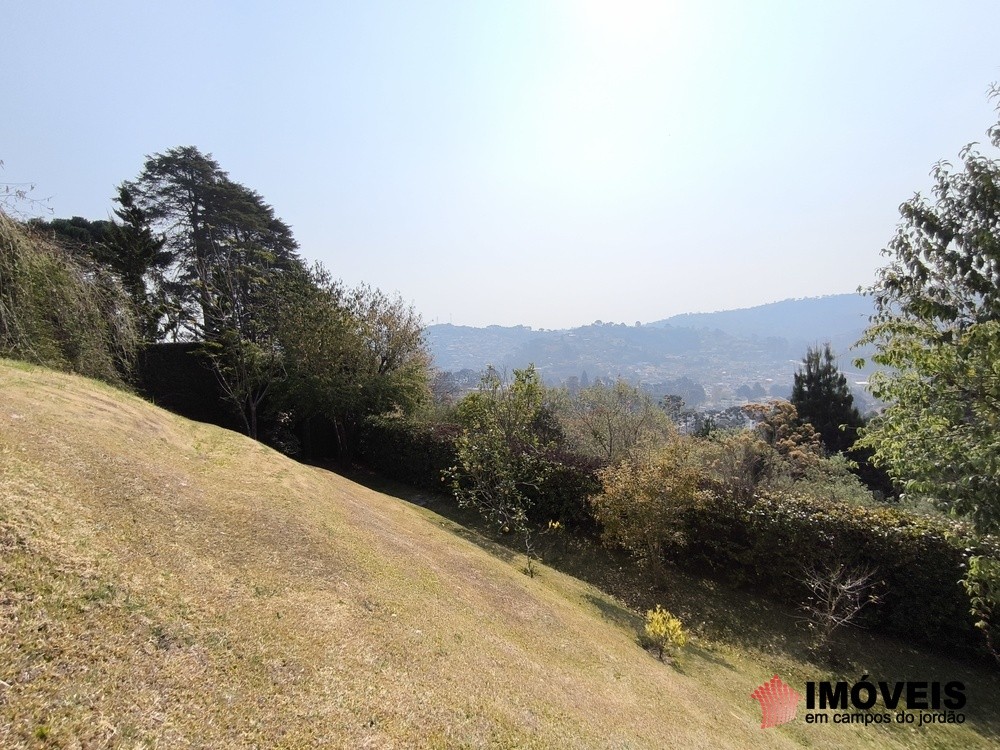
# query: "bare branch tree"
{"type": "Point", "coordinates": [16, 200]}
{"type": "Point", "coordinates": [837, 596]}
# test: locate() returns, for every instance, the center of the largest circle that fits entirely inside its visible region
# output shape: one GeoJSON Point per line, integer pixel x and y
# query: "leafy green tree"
{"type": "Point", "coordinates": [396, 364]}
{"type": "Point", "coordinates": [673, 407]}
{"type": "Point", "coordinates": [937, 329]}
{"type": "Point", "coordinates": [317, 336]}
{"type": "Point", "coordinates": [822, 398]}
{"type": "Point", "coordinates": [347, 354]}
{"type": "Point", "coordinates": [244, 348]}
{"type": "Point", "coordinates": [736, 463]}
{"type": "Point", "coordinates": [937, 332]}
{"type": "Point", "coordinates": [615, 422]}
{"type": "Point", "coordinates": [501, 452]}
{"type": "Point", "coordinates": [247, 371]}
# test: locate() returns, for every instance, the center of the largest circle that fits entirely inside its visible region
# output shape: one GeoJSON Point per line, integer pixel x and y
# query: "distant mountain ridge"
{"type": "Point", "coordinates": [721, 350]}
{"type": "Point", "coordinates": [836, 318]}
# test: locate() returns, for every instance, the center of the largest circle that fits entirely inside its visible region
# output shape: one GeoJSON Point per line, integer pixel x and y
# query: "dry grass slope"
{"type": "Point", "coordinates": [169, 584]}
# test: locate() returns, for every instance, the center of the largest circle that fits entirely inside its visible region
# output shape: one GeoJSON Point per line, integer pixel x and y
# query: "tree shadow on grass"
{"type": "Point", "coordinates": [497, 549]}
{"type": "Point", "coordinates": [616, 613]}
{"type": "Point", "coordinates": [462, 522]}
{"type": "Point", "coordinates": [708, 608]}
{"type": "Point", "coordinates": [706, 655]}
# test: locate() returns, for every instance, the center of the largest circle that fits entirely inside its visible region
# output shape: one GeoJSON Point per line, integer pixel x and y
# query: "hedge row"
{"type": "Point", "coordinates": [770, 541]}
{"type": "Point", "coordinates": [414, 454]}
{"type": "Point", "coordinates": [58, 312]}
{"type": "Point", "coordinates": [563, 495]}
{"type": "Point", "coordinates": [418, 455]}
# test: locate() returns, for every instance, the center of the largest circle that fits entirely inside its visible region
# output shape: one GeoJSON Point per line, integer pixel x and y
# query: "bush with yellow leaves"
{"type": "Point", "coordinates": [665, 632]}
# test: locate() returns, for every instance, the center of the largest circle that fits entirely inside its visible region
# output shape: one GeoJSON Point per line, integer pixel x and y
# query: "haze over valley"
{"type": "Point", "coordinates": [730, 356]}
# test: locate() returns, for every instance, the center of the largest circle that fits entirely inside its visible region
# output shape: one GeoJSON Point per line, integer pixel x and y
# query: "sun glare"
{"type": "Point", "coordinates": [584, 118]}
{"type": "Point", "coordinates": [627, 31]}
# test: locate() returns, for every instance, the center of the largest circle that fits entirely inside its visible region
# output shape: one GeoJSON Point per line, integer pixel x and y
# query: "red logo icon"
{"type": "Point", "coordinates": [778, 702]}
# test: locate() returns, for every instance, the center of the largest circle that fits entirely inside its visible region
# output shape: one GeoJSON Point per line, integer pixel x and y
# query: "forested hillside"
{"type": "Point", "coordinates": [755, 347]}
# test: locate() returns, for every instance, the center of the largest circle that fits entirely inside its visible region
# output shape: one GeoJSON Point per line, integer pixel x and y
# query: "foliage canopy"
{"type": "Point", "coordinates": [61, 311]}
{"type": "Point", "coordinates": [937, 329]}
{"type": "Point", "coordinates": [641, 502]}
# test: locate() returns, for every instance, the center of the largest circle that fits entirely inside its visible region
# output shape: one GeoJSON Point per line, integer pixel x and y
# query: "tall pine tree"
{"type": "Point", "coordinates": [222, 238]}
{"type": "Point", "coordinates": [226, 250]}
{"type": "Point", "coordinates": [822, 399]}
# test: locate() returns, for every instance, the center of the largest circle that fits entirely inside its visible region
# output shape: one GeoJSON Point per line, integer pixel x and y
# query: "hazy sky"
{"type": "Point", "coordinates": [541, 163]}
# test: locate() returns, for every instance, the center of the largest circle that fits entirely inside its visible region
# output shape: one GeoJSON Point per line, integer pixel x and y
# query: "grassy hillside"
{"type": "Point", "coordinates": [169, 584]}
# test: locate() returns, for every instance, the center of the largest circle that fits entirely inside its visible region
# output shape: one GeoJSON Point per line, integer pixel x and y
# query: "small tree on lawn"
{"type": "Point", "coordinates": [836, 597]}
{"type": "Point", "coordinates": [665, 632]}
{"type": "Point", "coordinates": [501, 451]}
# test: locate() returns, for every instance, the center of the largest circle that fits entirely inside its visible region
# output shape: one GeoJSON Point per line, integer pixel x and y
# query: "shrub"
{"type": "Point", "coordinates": [501, 453]}
{"type": "Point", "coordinates": [641, 503]}
{"type": "Point", "coordinates": [836, 597]}
{"type": "Point", "coordinates": [56, 312]}
{"type": "Point", "coordinates": [418, 454]}
{"type": "Point", "coordinates": [664, 632]}
{"type": "Point", "coordinates": [563, 493]}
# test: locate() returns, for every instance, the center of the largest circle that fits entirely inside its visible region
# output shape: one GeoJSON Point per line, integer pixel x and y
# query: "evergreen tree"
{"type": "Point", "coordinates": [226, 251]}
{"type": "Point", "coordinates": [136, 254]}
{"type": "Point", "coordinates": [129, 249]}
{"type": "Point", "coordinates": [822, 398]}
{"type": "Point", "coordinates": [221, 236]}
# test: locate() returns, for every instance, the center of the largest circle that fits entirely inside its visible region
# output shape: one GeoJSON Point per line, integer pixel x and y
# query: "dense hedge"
{"type": "Point", "coordinates": [419, 454]}
{"type": "Point", "coordinates": [410, 453]}
{"type": "Point", "coordinates": [179, 377]}
{"type": "Point", "coordinates": [563, 496]}
{"type": "Point", "coordinates": [771, 540]}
